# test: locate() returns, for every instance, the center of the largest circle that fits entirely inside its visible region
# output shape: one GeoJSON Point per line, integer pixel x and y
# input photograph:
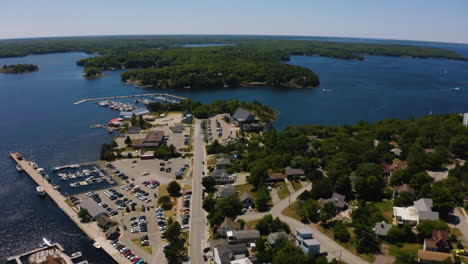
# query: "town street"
{"type": "Point", "coordinates": [327, 244]}
{"type": "Point", "coordinates": [198, 219]}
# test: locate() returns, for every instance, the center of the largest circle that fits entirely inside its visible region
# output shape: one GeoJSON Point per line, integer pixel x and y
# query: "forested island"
{"type": "Point", "coordinates": [19, 68]}
{"type": "Point", "coordinates": [161, 61]}
{"type": "Point", "coordinates": [92, 73]}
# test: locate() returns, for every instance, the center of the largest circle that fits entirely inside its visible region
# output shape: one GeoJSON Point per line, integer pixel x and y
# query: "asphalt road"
{"type": "Point", "coordinates": [197, 218]}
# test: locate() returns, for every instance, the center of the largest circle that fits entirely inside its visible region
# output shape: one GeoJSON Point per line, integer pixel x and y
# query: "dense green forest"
{"type": "Point", "coordinates": [19, 68]}
{"type": "Point", "coordinates": [199, 110]}
{"type": "Point", "coordinates": [162, 63]}
{"type": "Point", "coordinates": [92, 73]}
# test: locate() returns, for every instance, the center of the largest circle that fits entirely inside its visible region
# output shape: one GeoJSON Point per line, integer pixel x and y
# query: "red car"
{"type": "Point", "coordinates": [135, 260]}
{"type": "Point", "coordinates": [128, 253]}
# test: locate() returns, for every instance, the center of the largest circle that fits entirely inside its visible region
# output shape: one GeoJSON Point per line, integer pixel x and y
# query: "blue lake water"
{"type": "Point", "coordinates": [41, 121]}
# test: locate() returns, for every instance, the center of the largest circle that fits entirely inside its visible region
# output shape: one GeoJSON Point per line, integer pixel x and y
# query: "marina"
{"type": "Point", "coordinates": [129, 96]}
{"type": "Point", "coordinates": [91, 229]}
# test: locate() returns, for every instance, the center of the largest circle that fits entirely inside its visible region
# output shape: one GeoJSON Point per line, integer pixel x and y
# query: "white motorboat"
{"type": "Point", "coordinates": [40, 191]}
{"type": "Point", "coordinates": [19, 168]}
{"type": "Point", "coordinates": [96, 245]}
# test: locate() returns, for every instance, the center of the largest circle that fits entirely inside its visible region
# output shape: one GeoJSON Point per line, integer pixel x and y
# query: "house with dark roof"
{"type": "Point", "coordinates": [221, 177]}
{"type": "Point", "coordinates": [403, 188]}
{"type": "Point", "coordinates": [224, 254]}
{"type": "Point", "coordinates": [94, 209]}
{"type": "Point", "coordinates": [243, 236]}
{"type": "Point", "coordinates": [226, 191]}
{"type": "Point", "coordinates": [228, 225]}
{"type": "Point", "coordinates": [151, 140]}
{"type": "Point", "coordinates": [275, 237]}
{"type": "Point", "coordinates": [246, 120]}
{"type": "Point", "coordinates": [438, 242]}
{"type": "Point", "coordinates": [134, 130]}
{"type": "Point", "coordinates": [337, 199]}
{"type": "Point", "coordinates": [381, 229]}
{"type": "Point", "coordinates": [295, 174]}
{"type": "Point", "coordinates": [276, 177]}
{"type": "Point", "coordinates": [247, 200]}
{"type": "Point", "coordinates": [223, 163]}
{"type": "Point", "coordinates": [104, 222]}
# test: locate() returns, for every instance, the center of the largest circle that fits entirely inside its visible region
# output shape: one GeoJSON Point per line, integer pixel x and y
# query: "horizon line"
{"type": "Point", "coordinates": [239, 35]}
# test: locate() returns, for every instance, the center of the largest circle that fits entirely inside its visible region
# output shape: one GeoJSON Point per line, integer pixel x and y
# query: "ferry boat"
{"type": "Point", "coordinates": [19, 168]}
{"type": "Point", "coordinates": [40, 191]}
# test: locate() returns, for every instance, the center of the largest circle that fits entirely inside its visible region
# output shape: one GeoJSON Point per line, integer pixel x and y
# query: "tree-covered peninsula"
{"type": "Point", "coordinates": [92, 73]}
{"type": "Point", "coordinates": [18, 68]}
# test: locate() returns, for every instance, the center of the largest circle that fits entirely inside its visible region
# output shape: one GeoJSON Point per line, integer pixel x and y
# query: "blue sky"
{"type": "Point", "coordinates": [431, 20]}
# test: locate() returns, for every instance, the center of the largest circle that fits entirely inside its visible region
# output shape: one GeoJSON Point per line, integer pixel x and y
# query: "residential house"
{"type": "Point", "coordinates": [243, 236]}
{"type": "Point", "coordinates": [438, 242]}
{"type": "Point", "coordinates": [246, 120]}
{"type": "Point", "coordinates": [403, 188]}
{"type": "Point", "coordinates": [381, 229]}
{"type": "Point", "coordinates": [274, 238]}
{"type": "Point", "coordinates": [226, 191]}
{"type": "Point", "coordinates": [222, 177]}
{"type": "Point", "coordinates": [94, 209]}
{"type": "Point", "coordinates": [432, 257]}
{"type": "Point", "coordinates": [396, 151]}
{"type": "Point", "coordinates": [104, 222]}
{"type": "Point", "coordinates": [223, 163]}
{"type": "Point", "coordinates": [228, 225]}
{"type": "Point", "coordinates": [247, 200]}
{"type": "Point", "coordinates": [151, 140]}
{"type": "Point", "coordinates": [337, 199]}
{"type": "Point", "coordinates": [276, 177]}
{"type": "Point", "coordinates": [305, 240]}
{"type": "Point", "coordinates": [134, 130]}
{"type": "Point", "coordinates": [224, 254]}
{"type": "Point", "coordinates": [390, 168]}
{"type": "Point", "coordinates": [295, 174]}
{"type": "Point", "coordinates": [412, 215]}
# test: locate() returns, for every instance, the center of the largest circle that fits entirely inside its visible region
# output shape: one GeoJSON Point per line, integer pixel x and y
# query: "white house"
{"type": "Point", "coordinates": [412, 215]}
{"type": "Point", "coordinates": [305, 240]}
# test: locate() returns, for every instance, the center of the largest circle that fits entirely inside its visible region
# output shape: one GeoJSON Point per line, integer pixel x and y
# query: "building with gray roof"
{"type": "Point", "coordinates": [94, 209]}
{"type": "Point", "coordinates": [274, 238]}
{"type": "Point", "coordinates": [382, 228]}
{"type": "Point", "coordinates": [224, 254]}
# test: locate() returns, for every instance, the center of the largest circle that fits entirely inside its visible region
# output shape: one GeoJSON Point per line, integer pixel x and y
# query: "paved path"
{"type": "Point", "coordinates": [274, 196]}
{"type": "Point", "coordinates": [328, 245]}
{"type": "Point", "coordinates": [197, 218]}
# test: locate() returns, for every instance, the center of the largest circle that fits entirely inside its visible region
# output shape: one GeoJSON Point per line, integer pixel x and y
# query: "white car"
{"type": "Point", "coordinates": [185, 226]}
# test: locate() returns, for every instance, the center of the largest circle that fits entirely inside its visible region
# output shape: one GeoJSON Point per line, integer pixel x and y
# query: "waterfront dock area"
{"type": "Point", "coordinates": [91, 229]}
{"type": "Point", "coordinates": [19, 256]}
{"type": "Point", "coordinates": [129, 96]}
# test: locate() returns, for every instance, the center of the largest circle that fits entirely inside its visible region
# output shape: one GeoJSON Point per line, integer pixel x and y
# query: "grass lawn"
{"type": "Point", "coordinates": [407, 247]}
{"type": "Point", "coordinates": [283, 191]}
{"type": "Point", "coordinates": [187, 187]}
{"type": "Point", "coordinates": [292, 212]}
{"type": "Point", "coordinates": [387, 210]}
{"type": "Point", "coordinates": [251, 224]}
{"type": "Point", "coordinates": [349, 245]}
{"type": "Point", "coordinates": [296, 185]}
{"type": "Point", "coordinates": [148, 249]}
{"type": "Point", "coordinates": [245, 188]}
{"type": "Point", "coordinates": [211, 162]}
{"type": "Point", "coordinates": [163, 190]}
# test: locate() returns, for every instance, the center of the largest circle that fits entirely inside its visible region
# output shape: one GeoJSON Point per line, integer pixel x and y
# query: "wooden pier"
{"type": "Point", "coordinates": [91, 229]}
{"type": "Point", "coordinates": [129, 96]}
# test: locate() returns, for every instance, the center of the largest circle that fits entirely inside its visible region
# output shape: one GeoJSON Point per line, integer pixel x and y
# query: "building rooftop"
{"type": "Point", "coordinates": [276, 175]}
{"type": "Point", "coordinates": [291, 171]}
{"type": "Point", "coordinates": [94, 209]}
{"type": "Point", "coordinates": [243, 115]}
{"type": "Point", "coordinates": [226, 191]}
{"type": "Point", "coordinates": [434, 256]}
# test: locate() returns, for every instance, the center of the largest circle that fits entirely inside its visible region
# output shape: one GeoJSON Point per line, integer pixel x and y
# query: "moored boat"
{"type": "Point", "coordinates": [40, 191]}
{"type": "Point", "coordinates": [96, 245]}
{"type": "Point", "coordinates": [19, 168]}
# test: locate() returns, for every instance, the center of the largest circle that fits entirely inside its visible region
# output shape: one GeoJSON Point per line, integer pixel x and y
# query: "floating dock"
{"type": "Point", "coordinates": [129, 96]}
{"type": "Point", "coordinates": [91, 229]}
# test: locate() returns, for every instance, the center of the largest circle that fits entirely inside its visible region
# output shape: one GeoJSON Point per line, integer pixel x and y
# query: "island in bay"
{"type": "Point", "coordinates": [19, 68]}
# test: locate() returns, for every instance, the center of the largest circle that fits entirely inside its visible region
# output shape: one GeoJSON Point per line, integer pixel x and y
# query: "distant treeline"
{"type": "Point", "coordinates": [19, 68]}
{"type": "Point", "coordinates": [160, 62]}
